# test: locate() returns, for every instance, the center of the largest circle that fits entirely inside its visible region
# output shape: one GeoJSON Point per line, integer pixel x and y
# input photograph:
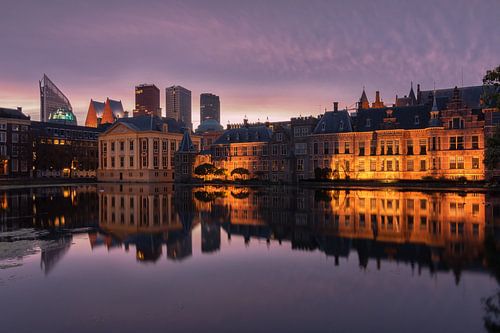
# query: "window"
{"type": "Point", "coordinates": [254, 150]}
{"type": "Point", "coordinates": [284, 150]}
{"type": "Point", "coordinates": [315, 148]}
{"type": "Point", "coordinates": [475, 142]}
{"type": "Point", "coordinates": [423, 147]}
{"type": "Point", "coordinates": [361, 165]}
{"type": "Point", "coordinates": [156, 146]}
{"type": "Point", "coordinates": [155, 161]}
{"type": "Point", "coordinates": [361, 147]}
{"type": "Point", "coordinates": [382, 147]}
{"type": "Point", "coordinates": [15, 165]}
{"type": "Point", "coordinates": [164, 146]}
{"type": "Point", "coordinates": [409, 165]}
{"type": "Point", "coordinates": [453, 162]}
{"type": "Point", "coordinates": [373, 165]}
{"type": "Point", "coordinates": [475, 163]}
{"type": "Point", "coordinates": [164, 162]}
{"type": "Point", "coordinates": [422, 165]}
{"type": "Point", "coordinates": [244, 151]}
{"type": "Point", "coordinates": [300, 149]}
{"type": "Point", "coordinates": [336, 147]}
{"type": "Point", "coordinates": [460, 162]}
{"type": "Point", "coordinates": [326, 147]}
{"type": "Point", "coordinates": [373, 147]}
{"type": "Point", "coordinates": [368, 122]}
{"type": "Point", "coordinates": [15, 127]}
{"type": "Point", "coordinates": [409, 147]}
{"type": "Point", "coordinates": [417, 120]}
{"type": "Point", "coordinates": [456, 143]}
{"type": "Point", "coordinates": [3, 127]}
{"type": "Point", "coordinates": [131, 161]}
{"type": "Point", "coordinates": [274, 149]}
{"type": "Point", "coordinates": [347, 148]}
{"type": "Point", "coordinates": [173, 146]}
{"type": "Point", "coordinates": [389, 165]}
{"type": "Point", "coordinates": [279, 137]}
{"type": "Point", "coordinates": [112, 162]}
{"type": "Point", "coordinates": [300, 165]}
{"type": "Point", "coordinates": [235, 151]}
{"type": "Point", "coordinates": [122, 162]}
{"type": "Point", "coordinates": [122, 146]}
{"type": "Point", "coordinates": [15, 138]}
{"type": "Point", "coordinates": [113, 146]}
{"type": "Point", "coordinates": [389, 148]}
{"type": "Point", "coordinates": [131, 145]}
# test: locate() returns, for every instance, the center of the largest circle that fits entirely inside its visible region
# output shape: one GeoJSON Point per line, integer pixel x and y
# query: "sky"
{"type": "Point", "coordinates": [271, 59]}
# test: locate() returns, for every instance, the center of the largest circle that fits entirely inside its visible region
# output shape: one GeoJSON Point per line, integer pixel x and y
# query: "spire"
{"type": "Point", "coordinates": [363, 101]}
{"type": "Point", "coordinates": [434, 103]}
{"type": "Point", "coordinates": [186, 145]}
{"type": "Point", "coordinates": [411, 95]}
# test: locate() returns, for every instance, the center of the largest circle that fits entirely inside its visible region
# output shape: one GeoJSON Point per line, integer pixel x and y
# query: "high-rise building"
{"type": "Point", "coordinates": [147, 100]}
{"type": "Point", "coordinates": [209, 107]}
{"type": "Point", "coordinates": [52, 100]}
{"type": "Point", "coordinates": [178, 104]}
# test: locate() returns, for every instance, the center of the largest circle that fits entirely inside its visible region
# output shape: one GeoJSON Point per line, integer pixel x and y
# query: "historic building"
{"type": "Point", "coordinates": [100, 113]}
{"type": "Point", "coordinates": [15, 143]}
{"type": "Point", "coordinates": [61, 150]}
{"type": "Point", "coordinates": [140, 149]}
{"type": "Point", "coordinates": [431, 135]}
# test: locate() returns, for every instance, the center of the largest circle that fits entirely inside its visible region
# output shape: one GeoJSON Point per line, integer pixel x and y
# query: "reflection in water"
{"type": "Point", "coordinates": [438, 230]}
{"type": "Point", "coordinates": [434, 232]}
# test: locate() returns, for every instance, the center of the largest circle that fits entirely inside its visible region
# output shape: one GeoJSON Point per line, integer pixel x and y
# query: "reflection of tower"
{"type": "Point", "coordinates": [210, 237]}
{"type": "Point", "coordinates": [54, 252]}
{"type": "Point", "coordinates": [179, 246]}
{"type": "Point", "coordinates": [179, 243]}
{"type": "Point", "coordinates": [148, 246]}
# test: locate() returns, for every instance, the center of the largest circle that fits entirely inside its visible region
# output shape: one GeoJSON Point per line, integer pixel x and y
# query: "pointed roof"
{"type": "Point", "coordinates": [363, 101]}
{"type": "Point", "coordinates": [434, 103]}
{"type": "Point", "coordinates": [95, 111]}
{"type": "Point", "coordinates": [411, 95]}
{"type": "Point", "coordinates": [186, 145]}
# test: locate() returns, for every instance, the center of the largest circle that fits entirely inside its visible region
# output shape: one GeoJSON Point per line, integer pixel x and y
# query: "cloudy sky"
{"type": "Point", "coordinates": [264, 58]}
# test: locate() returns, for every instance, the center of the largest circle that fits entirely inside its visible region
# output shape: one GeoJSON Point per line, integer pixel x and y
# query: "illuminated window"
{"type": "Point", "coordinates": [475, 142]}
{"type": "Point", "coordinates": [475, 163]}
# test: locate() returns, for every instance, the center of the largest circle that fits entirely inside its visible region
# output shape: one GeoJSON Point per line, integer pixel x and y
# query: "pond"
{"type": "Point", "coordinates": [159, 257]}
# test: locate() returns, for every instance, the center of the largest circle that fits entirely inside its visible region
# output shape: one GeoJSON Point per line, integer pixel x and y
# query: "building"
{"type": "Point", "coordinates": [147, 100]}
{"type": "Point", "coordinates": [52, 100]}
{"type": "Point", "coordinates": [61, 150]}
{"type": "Point", "coordinates": [15, 143]}
{"type": "Point", "coordinates": [140, 149]}
{"type": "Point", "coordinates": [62, 116]}
{"type": "Point", "coordinates": [437, 136]}
{"type": "Point", "coordinates": [100, 113]}
{"type": "Point", "coordinates": [178, 104]}
{"type": "Point", "coordinates": [209, 107]}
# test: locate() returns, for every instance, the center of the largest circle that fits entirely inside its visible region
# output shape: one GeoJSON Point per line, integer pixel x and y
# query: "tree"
{"type": "Point", "coordinates": [492, 153]}
{"type": "Point", "coordinates": [204, 170]}
{"type": "Point", "coordinates": [220, 172]}
{"type": "Point", "coordinates": [240, 171]}
{"type": "Point", "coordinates": [491, 95]}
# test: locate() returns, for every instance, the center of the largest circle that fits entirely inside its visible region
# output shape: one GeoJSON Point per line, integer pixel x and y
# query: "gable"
{"type": "Point", "coordinates": [119, 128]}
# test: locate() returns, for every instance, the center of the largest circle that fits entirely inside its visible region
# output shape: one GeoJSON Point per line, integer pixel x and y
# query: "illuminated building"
{"type": "Point", "coordinates": [147, 100]}
{"type": "Point", "coordinates": [61, 150]}
{"type": "Point", "coordinates": [178, 104]}
{"type": "Point", "coordinates": [62, 116]}
{"type": "Point", "coordinates": [140, 149]}
{"type": "Point", "coordinates": [437, 135]}
{"type": "Point", "coordinates": [209, 107]}
{"type": "Point", "coordinates": [15, 143]}
{"type": "Point", "coordinates": [52, 99]}
{"type": "Point", "coordinates": [100, 113]}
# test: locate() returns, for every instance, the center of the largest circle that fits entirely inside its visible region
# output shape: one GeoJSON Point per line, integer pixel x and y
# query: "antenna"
{"type": "Point", "coordinates": [462, 76]}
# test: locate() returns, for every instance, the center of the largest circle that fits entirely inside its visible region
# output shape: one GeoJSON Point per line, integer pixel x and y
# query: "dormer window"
{"type": "Point", "coordinates": [279, 137]}
{"type": "Point", "coordinates": [228, 138]}
{"type": "Point", "coordinates": [341, 126]}
{"type": "Point", "coordinates": [417, 120]}
{"type": "Point", "coordinates": [368, 122]}
{"type": "Point", "coordinates": [323, 126]}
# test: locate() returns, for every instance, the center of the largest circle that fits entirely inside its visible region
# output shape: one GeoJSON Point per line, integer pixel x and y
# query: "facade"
{"type": "Point", "coordinates": [147, 100]}
{"type": "Point", "coordinates": [438, 136]}
{"type": "Point", "coordinates": [61, 150]}
{"type": "Point", "coordinates": [15, 143]}
{"type": "Point", "coordinates": [178, 104]}
{"type": "Point", "coordinates": [52, 99]}
{"type": "Point", "coordinates": [100, 113]}
{"type": "Point", "coordinates": [209, 107]}
{"type": "Point", "coordinates": [140, 149]}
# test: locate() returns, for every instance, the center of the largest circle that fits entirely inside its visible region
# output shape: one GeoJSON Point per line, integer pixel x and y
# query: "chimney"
{"type": "Point", "coordinates": [335, 106]}
{"type": "Point", "coordinates": [377, 96]}
{"type": "Point", "coordinates": [125, 114]}
{"type": "Point", "coordinates": [20, 109]}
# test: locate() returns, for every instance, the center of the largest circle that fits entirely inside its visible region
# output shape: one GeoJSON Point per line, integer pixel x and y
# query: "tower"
{"type": "Point", "coordinates": [178, 104]}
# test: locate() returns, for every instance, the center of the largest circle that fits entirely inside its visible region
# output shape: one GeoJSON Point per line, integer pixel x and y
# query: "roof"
{"type": "Point", "coordinates": [209, 125]}
{"type": "Point", "coordinates": [13, 114]}
{"type": "Point", "coordinates": [245, 134]}
{"type": "Point", "coordinates": [151, 123]}
{"type": "Point", "coordinates": [117, 108]}
{"type": "Point", "coordinates": [471, 96]}
{"type": "Point", "coordinates": [334, 122]}
{"type": "Point", "coordinates": [98, 107]}
{"type": "Point", "coordinates": [186, 145]}
{"type": "Point", "coordinates": [406, 117]}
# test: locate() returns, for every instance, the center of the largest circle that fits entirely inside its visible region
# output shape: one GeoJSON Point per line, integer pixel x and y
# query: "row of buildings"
{"type": "Point", "coordinates": [437, 134]}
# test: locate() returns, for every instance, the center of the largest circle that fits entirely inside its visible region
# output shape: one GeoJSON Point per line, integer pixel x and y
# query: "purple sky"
{"type": "Point", "coordinates": [263, 58]}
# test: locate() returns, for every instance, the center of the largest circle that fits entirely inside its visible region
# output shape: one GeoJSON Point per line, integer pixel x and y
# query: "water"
{"type": "Point", "coordinates": [129, 258]}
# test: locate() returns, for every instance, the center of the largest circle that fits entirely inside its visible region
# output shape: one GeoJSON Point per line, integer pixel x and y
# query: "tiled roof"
{"type": "Point", "coordinates": [471, 96]}
{"type": "Point", "coordinates": [151, 123]}
{"type": "Point", "coordinates": [406, 117]}
{"type": "Point", "coordinates": [12, 113]}
{"type": "Point", "coordinates": [245, 134]}
{"type": "Point", "coordinates": [334, 122]}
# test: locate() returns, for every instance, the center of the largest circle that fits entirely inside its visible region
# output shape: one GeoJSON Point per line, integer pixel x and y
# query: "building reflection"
{"type": "Point", "coordinates": [437, 230]}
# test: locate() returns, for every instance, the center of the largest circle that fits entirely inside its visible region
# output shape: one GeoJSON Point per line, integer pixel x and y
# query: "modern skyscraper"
{"type": "Point", "coordinates": [178, 104]}
{"type": "Point", "coordinates": [52, 100]}
{"type": "Point", "coordinates": [147, 100]}
{"type": "Point", "coordinates": [209, 107]}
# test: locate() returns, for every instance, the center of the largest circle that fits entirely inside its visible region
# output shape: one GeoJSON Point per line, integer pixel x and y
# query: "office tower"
{"type": "Point", "coordinates": [178, 104]}
{"type": "Point", "coordinates": [209, 107]}
{"type": "Point", "coordinates": [52, 100]}
{"type": "Point", "coordinates": [147, 100]}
